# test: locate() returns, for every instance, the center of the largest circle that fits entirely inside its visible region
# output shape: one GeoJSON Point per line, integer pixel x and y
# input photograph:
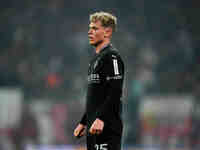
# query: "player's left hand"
{"type": "Point", "coordinates": [97, 127]}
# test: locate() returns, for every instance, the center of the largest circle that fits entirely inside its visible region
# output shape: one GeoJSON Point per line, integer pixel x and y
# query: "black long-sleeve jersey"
{"type": "Point", "coordinates": [105, 84]}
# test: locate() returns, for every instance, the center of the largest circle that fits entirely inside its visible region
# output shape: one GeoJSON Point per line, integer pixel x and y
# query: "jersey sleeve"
{"type": "Point", "coordinates": [113, 72]}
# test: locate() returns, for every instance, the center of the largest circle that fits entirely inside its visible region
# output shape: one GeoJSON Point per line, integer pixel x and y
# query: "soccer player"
{"type": "Point", "coordinates": [102, 121]}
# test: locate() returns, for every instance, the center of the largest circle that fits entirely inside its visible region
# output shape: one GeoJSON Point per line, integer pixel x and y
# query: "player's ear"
{"type": "Point", "coordinates": [108, 32]}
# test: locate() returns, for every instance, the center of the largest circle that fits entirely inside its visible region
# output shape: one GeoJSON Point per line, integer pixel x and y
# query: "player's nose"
{"type": "Point", "coordinates": [89, 31]}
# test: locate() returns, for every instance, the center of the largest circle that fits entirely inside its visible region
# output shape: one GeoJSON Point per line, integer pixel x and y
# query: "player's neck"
{"type": "Point", "coordinates": [101, 45]}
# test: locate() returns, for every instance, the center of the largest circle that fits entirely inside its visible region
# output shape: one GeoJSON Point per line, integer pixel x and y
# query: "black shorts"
{"type": "Point", "coordinates": [107, 140]}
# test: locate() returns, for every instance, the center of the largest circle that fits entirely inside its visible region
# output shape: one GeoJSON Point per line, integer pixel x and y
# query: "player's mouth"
{"type": "Point", "coordinates": [91, 39]}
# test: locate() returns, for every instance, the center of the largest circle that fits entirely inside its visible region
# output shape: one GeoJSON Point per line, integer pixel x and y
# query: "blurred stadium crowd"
{"type": "Point", "coordinates": [44, 51]}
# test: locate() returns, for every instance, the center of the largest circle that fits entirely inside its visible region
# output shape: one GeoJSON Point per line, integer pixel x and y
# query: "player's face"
{"type": "Point", "coordinates": [96, 33]}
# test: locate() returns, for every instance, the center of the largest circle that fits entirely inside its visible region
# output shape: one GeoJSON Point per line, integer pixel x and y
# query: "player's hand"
{"type": "Point", "coordinates": [80, 130]}
{"type": "Point", "coordinates": [97, 127]}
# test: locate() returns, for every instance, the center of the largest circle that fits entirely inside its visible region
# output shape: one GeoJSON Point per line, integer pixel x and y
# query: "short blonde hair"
{"type": "Point", "coordinates": [106, 19]}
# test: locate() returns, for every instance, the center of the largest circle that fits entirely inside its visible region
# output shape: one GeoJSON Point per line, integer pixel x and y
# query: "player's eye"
{"type": "Point", "coordinates": [95, 28]}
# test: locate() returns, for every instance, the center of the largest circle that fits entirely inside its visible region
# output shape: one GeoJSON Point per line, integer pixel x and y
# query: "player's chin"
{"type": "Point", "coordinates": [93, 43]}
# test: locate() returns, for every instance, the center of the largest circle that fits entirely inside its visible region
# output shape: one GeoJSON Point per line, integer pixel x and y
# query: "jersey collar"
{"type": "Point", "coordinates": [104, 47]}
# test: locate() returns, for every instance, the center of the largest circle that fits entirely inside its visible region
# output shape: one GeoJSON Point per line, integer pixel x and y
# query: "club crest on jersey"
{"type": "Point", "coordinates": [113, 56]}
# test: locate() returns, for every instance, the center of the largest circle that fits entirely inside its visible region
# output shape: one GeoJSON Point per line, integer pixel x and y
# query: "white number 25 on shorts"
{"type": "Point", "coordinates": [101, 146]}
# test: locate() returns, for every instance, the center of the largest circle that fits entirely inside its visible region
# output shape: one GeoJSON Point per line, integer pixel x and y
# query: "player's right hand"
{"type": "Point", "coordinates": [80, 130]}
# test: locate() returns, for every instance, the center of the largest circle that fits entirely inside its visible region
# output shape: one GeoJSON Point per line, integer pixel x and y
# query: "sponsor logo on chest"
{"type": "Point", "coordinates": [93, 78]}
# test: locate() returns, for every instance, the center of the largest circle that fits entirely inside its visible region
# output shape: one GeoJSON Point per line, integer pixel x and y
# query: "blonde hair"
{"type": "Point", "coordinates": [106, 19]}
